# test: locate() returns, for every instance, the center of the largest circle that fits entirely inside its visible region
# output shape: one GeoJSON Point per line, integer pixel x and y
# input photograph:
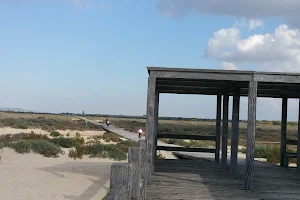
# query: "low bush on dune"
{"type": "Point", "coordinates": [21, 126]}
{"type": "Point", "coordinates": [111, 137]}
{"type": "Point", "coordinates": [55, 134]}
{"type": "Point", "coordinates": [105, 151]}
{"type": "Point", "coordinates": [125, 145]}
{"type": "Point", "coordinates": [64, 142]}
{"type": "Point", "coordinates": [43, 147]}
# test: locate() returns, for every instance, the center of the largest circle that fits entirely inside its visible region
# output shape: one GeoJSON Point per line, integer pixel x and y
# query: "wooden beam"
{"type": "Point", "coordinates": [251, 135]}
{"type": "Point", "coordinates": [235, 132]}
{"type": "Point", "coordinates": [218, 127]}
{"type": "Point", "coordinates": [298, 141]}
{"type": "Point", "coordinates": [283, 130]}
{"type": "Point", "coordinates": [150, 124]}
{"type": "Point", "coordinates": [156, 109]}
{"type": "Point", "coordinates": [292, 142]}
{"type": "Point", "coordinates": [169, 148]}
{"type": "Point", "coordinates": [143, 145]}
{"type": "Point", "coordinates": [189, 137]}
{"type": "Point", "coordinates": [225, 132]}
{"type": "Point", "coordinates": [134, 158]}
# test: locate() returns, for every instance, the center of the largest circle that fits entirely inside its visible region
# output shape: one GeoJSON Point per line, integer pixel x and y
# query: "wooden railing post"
{"type": "Point", "coordinates": [134, 158]}
{"type": "Point", "coordinates": [144, 169]}
{"type": "Point", "coordinates": [119, 182]}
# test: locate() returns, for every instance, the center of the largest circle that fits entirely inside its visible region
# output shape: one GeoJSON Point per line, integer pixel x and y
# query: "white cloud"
{"type": "Point", "coordinates": [288, 9]}
{"type": "Point", "coordinates": [277, 51]}
{"type": "Point", "coordinates": [255, 23]}
{"type": "Point", "coordinates": [228, 66]}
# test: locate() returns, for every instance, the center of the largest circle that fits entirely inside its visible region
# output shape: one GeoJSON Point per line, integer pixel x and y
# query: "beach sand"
{"type": "Point", "coordinates": [34, 177]}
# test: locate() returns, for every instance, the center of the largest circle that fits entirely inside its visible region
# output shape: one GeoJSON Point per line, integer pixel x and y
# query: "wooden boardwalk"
{"type": "Point", "coordinates": [203, 179]}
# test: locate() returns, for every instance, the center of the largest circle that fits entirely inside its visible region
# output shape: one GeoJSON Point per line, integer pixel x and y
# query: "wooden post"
{"type": "Point", "coordinates": [235, 132]}
{"type": "Point", "coordinates": [150, 125]}
{"type": "Point", "coordinates": [283, 131]}
{"type": "Point", "coordinates": [252, 96]}
{"type": "Point", "coordinates": [218, 127]}
{"type": "Point", "coordinates": [120, 178]}
{"type": "Point", "coordinates": [134, 158]}
{"type": "Point", "coordinates": [225, 132]}
{"type": "Point", "coordinates": [156, 106]}
{"type": "Point", "coordinates": [143, 146]}
{"type": "Point", "coordinates": [298, 141]}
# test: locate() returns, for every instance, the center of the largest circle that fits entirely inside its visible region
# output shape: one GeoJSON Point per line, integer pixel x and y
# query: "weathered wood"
{"type": "Point", "coordinates": [143, 170]}
{"type": "Point", "coordinates": [235, 133]}
{"type": "Point", "coordinates": [134, 158]}
{"type": "Point", "coordinates": [298, 141]}
{"type": "Point", "coordinates": [251, 135]}
{"type": "Point", "coordinates": [225, 132]}
{"type": "Point", "coordinates": [200, 179]}
{"type": "Point", "coordinates": [277, 78]}
{"type": "Point", "coordinates": [283, 130]}
{"type": "Point", "coordinates": [167, 148]}
{"type": "Point", "coordinates": [150, 125]}
{"type": "Point", "coordinates": [190, 137]}
{"type": "Point", "coordinates": [287, 156]}
{"type": "Point", "coordinates": [292, 142]}
{"type": "Point", "coordinates": [218, 127]}
{"type": "Point", "coordinates": [119, 182]}
{"type": "Point", "coordinates": [156, 109]}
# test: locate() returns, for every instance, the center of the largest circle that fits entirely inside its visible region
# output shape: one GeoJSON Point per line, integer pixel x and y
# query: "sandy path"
{"type": "Point", "coordinates": [34, 177]}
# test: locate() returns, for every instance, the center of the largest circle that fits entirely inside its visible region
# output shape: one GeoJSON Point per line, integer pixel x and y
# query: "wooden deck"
{"type": "Point", "coordinates": [203, 179]}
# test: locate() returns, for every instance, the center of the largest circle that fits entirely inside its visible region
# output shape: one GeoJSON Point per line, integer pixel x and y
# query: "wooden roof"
{"type": "Point", "coordinates": [213, 82]}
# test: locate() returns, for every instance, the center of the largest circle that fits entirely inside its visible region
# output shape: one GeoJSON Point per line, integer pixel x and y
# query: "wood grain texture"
{"type": "Point", "coordinates": [225, 132]}
{"type": "Point", "coordinates": [203, 179]}
{"type": "Point", "coordinates": [156, 109]}
{"type": "Point", "coordinates": [235, 132]}
{"type": "Point", "coordinates": [150, 125]}
{"type": "Point", "coordinates": [168, 148]}
{"type": "Point", "coordinates": [143, 145]}
{"type": "Point", "coordinates": [134, 158]}
{"type": "Point", "coordinates": [251, 135]}
{"type": "Point", "coordinates": [283, 130]}
{"type": "Point", "coordinates": [119, 182]}
{"type": "Point", "coordinates": [218, 127]}
{"type": "Point", "coordinates": [191, 137]}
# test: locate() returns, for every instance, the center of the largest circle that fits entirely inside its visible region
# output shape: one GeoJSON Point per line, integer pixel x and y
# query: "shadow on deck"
{"type": "Point", "coordinates": [203, 179]}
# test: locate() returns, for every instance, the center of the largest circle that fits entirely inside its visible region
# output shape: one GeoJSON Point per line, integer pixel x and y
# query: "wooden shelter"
{"type": "Point", "coordinates": [222, 84]}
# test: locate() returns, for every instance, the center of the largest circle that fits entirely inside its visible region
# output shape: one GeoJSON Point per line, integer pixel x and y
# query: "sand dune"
{"type": "Point", "coordinates": [34, 177]}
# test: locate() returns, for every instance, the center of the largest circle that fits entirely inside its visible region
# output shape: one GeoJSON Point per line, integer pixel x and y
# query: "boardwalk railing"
{"type": "Point", "coordinates": [128, 180]}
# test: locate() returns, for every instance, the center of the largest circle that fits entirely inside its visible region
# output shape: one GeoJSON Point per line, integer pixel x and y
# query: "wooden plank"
{"type": "Point", "coordinates": [298, 141]}
{"type": "Point", "coordinates": [168, 148]}
{"type": "Point", "coordinates": [251, 135]}
{"type": "Point", "coordinates": [156, 109]}
{"type": "Point", "coordinates": [150, 124]}
{"type": "Point", "coordinates": [225, 132]}
{"type": "Point", "coordinates": [202, 75]}
{"type": "Point", "coordinates": [235, 132]}
{"type": "Point", "coordinates": [218, 127]}
{"type": "Point", "coordinates": [277, 78]}
{"type": "Point", "coordinates": [283, 130]}
{"type": "Point", "coordinates": [143, 145]}
{"type": "Point", "coordinates": [189, 137]}
{"type": "Point", "coordinates": [292, 142]}
{"type": "Point", "coordinates": [134, 158]}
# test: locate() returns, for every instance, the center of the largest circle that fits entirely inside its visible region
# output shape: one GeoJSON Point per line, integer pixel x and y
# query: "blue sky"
{"type": "Point", "coordinates": [62, 56]}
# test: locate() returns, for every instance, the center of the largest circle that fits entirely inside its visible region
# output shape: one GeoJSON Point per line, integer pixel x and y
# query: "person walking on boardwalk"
{"type": "Point", "coordinates": [140, 132]}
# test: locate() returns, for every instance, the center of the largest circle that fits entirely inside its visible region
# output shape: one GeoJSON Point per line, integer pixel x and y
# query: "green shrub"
{"type": "Point", "coordinates": [105, 151]}
{"type": "Point", "coordinates": [125, 145]}
{"type": "Point", "coordinates": [55, 134]}
{"type": "Point", "coordinates": [78, 152]}
{"type": "Point", "coordinates": [78, 134]}
{"type": "Point", "coordinates": [45, 148]}
{"type": "Point", "coordinates": [21, 146]}
{"type": "Point", "coordinates": [22, 126]}
{"type": "Point", "coordinates": [111, 137]}
{"type": "Point", "coordinates": [64, 142]}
